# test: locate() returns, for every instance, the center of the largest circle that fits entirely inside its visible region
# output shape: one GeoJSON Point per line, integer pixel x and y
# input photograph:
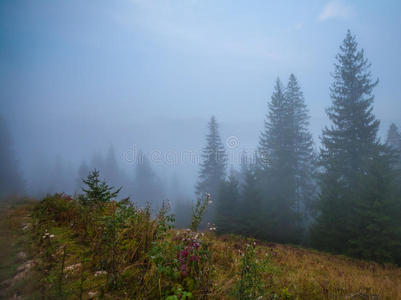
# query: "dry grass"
{"type": "Point", "coordinates": [309, 274]}
{"type": "Point", "coordinates": [294, 273]}
{"type": "Point", "coordinates": [15, 249]}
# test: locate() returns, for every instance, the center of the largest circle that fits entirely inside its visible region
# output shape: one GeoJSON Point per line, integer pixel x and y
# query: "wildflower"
{"type": "Point", "coordinates": [194, 258]}
{"type": "Point", "coordinates": [51, 236]}
{"type": "Point", "coordinates": [184, 270]}
{"type": "Point", "coordinates": [212, 227]}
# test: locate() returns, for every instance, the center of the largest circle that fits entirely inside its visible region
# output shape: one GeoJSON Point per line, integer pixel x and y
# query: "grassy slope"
{"type": "Point", "coordinates": [15, 252]}
{"type": "Point", "coordinates": [295, 273]}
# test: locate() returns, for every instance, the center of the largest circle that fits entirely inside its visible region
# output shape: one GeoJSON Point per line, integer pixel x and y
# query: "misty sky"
{"type": "Point", "coordinates": [78, 76]}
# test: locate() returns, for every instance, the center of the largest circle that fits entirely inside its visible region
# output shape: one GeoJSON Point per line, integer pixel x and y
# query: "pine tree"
{"type": "Point", "coordinates": [11, 182]}
{"type": "Point", "coordinates": [97, 192]}
{"type": "Point", "coordinates": [61, 177]}
{"type": "Point", "coordinates": [394, 138]}
{"type": "Point", "coordinates": [83, 172]}
{"type": "Point", "coordinates": [277, 176]}
{"type": "Point", "coordinates": [227, 219]}
{"type": "Point", "coordinates": [286, 162]}
{"type": "Point", "coordinates": [393, 141]}
{"type": "Point", "coordinates": [356, 189]}
{"type": "Point", "coordinates": [148, 188]}
{"type": "Point", "coordinates": [274, 162]}
{"type": "Point", "coordinates": [212, 170]}
{"type": "Point", "coordinates": [214, 162]}
{"type": "Point", "coordinates": [376, 222]}
{"type": "Point", "coordinates": [271, 144]}
{"type": "Point", "coordinates": [111, 169]}
{"type": "Point", "coordinates": [301, 154]}
{"type": "Point", "coordinates": [250, 206]}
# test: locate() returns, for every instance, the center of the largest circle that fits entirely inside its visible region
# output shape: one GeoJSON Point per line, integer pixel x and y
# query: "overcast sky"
{"type": "Point", "coordinates": [77, 76]}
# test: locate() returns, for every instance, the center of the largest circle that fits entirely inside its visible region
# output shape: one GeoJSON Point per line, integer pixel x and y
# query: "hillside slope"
{"type": "Point", "coordinates": [47, 256]}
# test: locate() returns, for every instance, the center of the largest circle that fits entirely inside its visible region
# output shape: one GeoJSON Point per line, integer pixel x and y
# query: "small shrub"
{"type": "Point", "coordinates": [198, 211]}
{"type": "Point", "coordinates": [97, 192]}
{"type": "Point", "coordinates": [250, 285]}
{"type": "Point", "coordinates": [135, 254]}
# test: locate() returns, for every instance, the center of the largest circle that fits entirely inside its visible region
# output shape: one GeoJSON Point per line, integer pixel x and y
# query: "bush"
{"type": "Point", "coordinates": [135, 254]}
{"type": "Point", "coordinates": [250, 285]}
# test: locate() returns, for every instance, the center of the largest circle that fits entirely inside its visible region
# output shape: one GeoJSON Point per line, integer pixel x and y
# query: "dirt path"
{"type": "Point", "coordinates": [15, 258]}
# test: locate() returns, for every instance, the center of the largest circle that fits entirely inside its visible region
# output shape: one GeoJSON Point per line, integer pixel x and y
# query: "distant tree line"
{"type": "Point", "coordinates": [344, 198]}
{"type": "Point", "coordinates": [11, 181]}
{"type": "Point", "coordinates": [143, 185]}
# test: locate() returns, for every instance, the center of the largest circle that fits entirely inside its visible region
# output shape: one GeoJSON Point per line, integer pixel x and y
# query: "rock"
{"type": "Point", "coordinates": [100, 273]}
{"type": "Point", "coordinates": [92, 294]}
{"type": "Point", "coordinates": [21, 255]}
{"type": "Point", "coordinates": [6, 283]}
{"type": "Point", "coordinates": [73, 268]}
{"type": "Point", "coordinates": [25, 266]}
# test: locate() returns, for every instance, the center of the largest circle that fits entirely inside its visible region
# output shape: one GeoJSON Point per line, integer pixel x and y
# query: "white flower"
{"type": "Point", "coordinates": [99, 273]}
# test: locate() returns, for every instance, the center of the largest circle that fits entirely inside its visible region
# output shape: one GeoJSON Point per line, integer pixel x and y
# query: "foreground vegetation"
{"type": "Point", "coordinates": [92, 246]}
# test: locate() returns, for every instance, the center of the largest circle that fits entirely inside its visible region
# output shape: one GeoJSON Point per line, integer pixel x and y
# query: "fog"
{"type": "Point", "coordinates": [97, 84]}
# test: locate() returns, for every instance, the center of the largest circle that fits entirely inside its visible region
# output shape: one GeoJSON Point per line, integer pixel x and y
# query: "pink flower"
{"type": "Point", "coordinates": [194, 258]}
{"type": "Point", "coordinates": [184, 270]}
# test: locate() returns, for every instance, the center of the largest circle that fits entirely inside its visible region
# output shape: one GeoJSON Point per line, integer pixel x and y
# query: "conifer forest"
{"type": "Point", "coordinates": [200, 149]}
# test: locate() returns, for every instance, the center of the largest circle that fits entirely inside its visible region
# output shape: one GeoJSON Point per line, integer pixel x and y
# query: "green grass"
{"type": "Point", "coordinates": [292, 272]}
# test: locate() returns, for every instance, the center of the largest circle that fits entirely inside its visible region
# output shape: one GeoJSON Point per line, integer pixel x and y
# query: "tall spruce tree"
{"type": "Point", "coordinates": [148, 187]}
{"type": "Point", "coordinates": [356, 193]}
{"type": "Point", "coordinates": [376, 219]}
{"type": "Point", "coordinates": [277, 176]}
{"type": "Point", "coordinates": [83, 172]}
{"type": "Point", "coordinates": [111, 170]}
{"type": "Point", "coordinates": [214, 162]}
{"type": "Point", "coordinates": [286, 162]}
{"type": "Point", "coordinates": [271, 143]}
{"type": "Point", "coordinates": [301, 154]}
{"type": "Point", "coordinates": [212, 171]}
{"type": "Point", "coordinates": [394, 137]}
{"type": "Point", "coordinates": [393, 141]}
{"type": "Point", "coordinates": [227, 214]}
{"type": "Point", "coordinates": [250, 205]}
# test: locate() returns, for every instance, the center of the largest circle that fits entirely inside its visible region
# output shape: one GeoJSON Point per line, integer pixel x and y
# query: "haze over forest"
{"type": "Point", "coordinates": [81, 79]}
{"type": "Point", "coordinates": [200, 149]}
